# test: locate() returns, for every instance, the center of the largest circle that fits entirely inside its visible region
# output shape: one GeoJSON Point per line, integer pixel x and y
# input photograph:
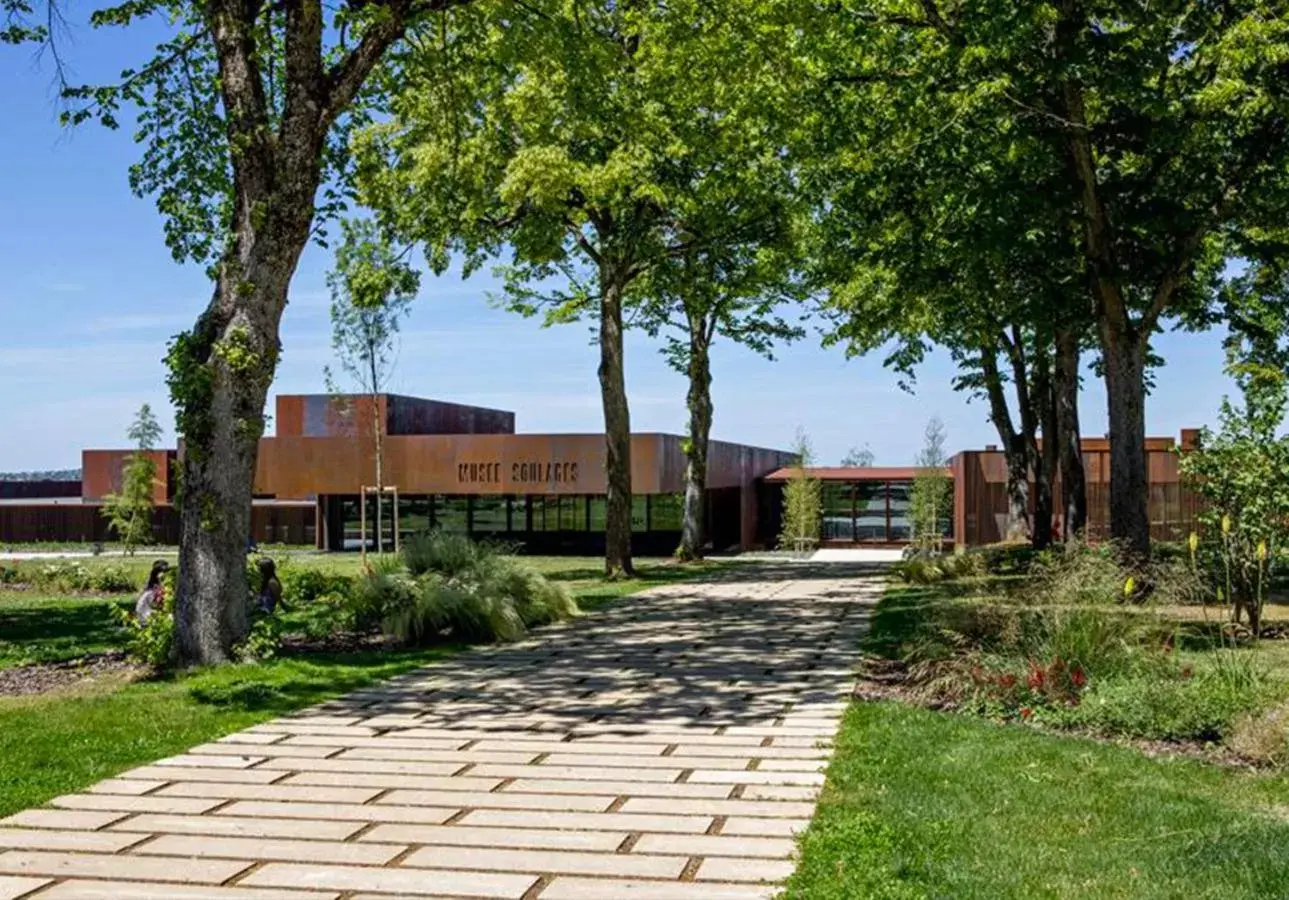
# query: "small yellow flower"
{"type": "Point", "coordinates": [1193, 542]}
{"type": "Point", "coordinates": [1128, 586]}
{"type": "Point", "coordinates": [1221, 597]}
{"type": "Point", "coordinates": [1262, 550]}
{"type": "Point", "coordinates": [1226, 524]}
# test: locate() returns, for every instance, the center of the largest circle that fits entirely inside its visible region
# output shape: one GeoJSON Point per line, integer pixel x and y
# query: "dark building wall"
{"type": "Point", "coordinates": [980, 498]}
{"type": "Point", "coordinates": [38, 490]}
{"type": "Point", "coordinates": [413, 415]}
{"type": "Point", "coordinates": [22, 523]}
{"type": "Point", "coordinates": [328, 415]}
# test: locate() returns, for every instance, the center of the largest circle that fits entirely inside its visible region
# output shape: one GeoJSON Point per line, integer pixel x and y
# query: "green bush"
{"type": "Point", "coordinates": [386, 588]}
{"type": "Point", "coordinates": [305, 584]}
{"type": "Point", "coordinates": [453, 588]}
{"type": "Point", "coordinates": [1203, 707]}
{"type": "Point", "coordinates": [443, 552]}
{"type": "Point", "coordinates": [151, 644]}
{"type": "Point", "coordinates": [465, 611]}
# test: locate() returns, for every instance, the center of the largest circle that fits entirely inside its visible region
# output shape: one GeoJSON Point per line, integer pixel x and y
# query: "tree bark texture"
{"type": "Point", "coordinates": [1015, 449]}
{"type": "Point", "coordinates": [1074, 492]}
{"type": "Point", "coordinates": [700, 428]}
{"type": "Point", "coordinates": [1047, 454]}
{"type": "Point", "coordinates": [617, 428]}
{"type": "Point", "coordinates": [221, 370]}
{"type": "Point", "coordinates": [1124, 355]}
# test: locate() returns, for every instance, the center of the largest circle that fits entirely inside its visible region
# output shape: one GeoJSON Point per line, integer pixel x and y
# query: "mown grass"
{"type": "Point", "coordinates": [926, 804]}
{"type": "Point", "coordinates": [922, 804]}
{"type": "Point", "coordinates": [44, 629]}
{"type": "Point", "coordinates": [62, 742]}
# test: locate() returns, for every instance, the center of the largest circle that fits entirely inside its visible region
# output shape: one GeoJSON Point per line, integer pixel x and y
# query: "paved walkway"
{"type": "Point", "coordinates": [668, 748]}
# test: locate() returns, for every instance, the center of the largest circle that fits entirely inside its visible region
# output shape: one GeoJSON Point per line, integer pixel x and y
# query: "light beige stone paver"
{"type": "Point", "coordinates": [446, 882]}
{"type": "Point", "coordinates": [199, 871]}
{"type": "Point", "coordinates": [351, 853]}
{"type": "Point", "coordinates": [715, 845]}
{"type": "Point", "coordinates": [628, 865]}
{"type": "Point", "coordinates": [62, 818]}
{"type": "Point", "coordinates": [335, 830]}
{"type": "Point", "coordinates": [12, 887]}
{"type": "Point", "coordinates": [593, 889]}
{"type": "Point", "coordinates": [668, 748]}
{"type": "Point", "coordinates": [106, 890]}
{"type": "Point", "coordinates": [48, 839]}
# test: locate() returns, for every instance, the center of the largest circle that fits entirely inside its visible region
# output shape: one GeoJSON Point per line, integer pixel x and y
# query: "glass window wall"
{"type": "Point", "coordinates": [666, 512]}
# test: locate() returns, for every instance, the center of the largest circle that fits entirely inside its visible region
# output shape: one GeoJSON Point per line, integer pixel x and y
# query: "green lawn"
{"type": "Point", "coordinates": [920, 803]}
{"type": "Point", "coordinates": [927, 804]}
{"type": "Point", "coordinates": [62, 742]}
{"type": "Point", "coordinates": [41, 629]}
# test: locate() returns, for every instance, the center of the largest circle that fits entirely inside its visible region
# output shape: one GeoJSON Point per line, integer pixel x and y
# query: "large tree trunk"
{"type": "Point", "coordinates": [1074, 492]}
{"type": "Point", "coordinates": [617, 429]}
{"type": "Point", "coordinates": [1015, 448]}
{"type": "Point", "coordinates": [1124, 358]}
{"type": "Point", "coordinates": [700, 427]}
{"type": "Point", "coordinates": [220, 384]}
{"type": "Point", "coordinates": [1046, 456]}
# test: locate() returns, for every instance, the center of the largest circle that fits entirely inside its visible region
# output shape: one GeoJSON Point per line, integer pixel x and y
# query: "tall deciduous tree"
{"type": "Point", "coordinates": [1167, 125]}
{"type": "Point", "coordinates": [371, 291]}
{"type": "Point", "coordinates": [727, 288]}
{"type": "Point", "coordinates": [243, 114]}
{"type": "Point", "coordinates": [589, 140]}
{"type": "Point", "coordinates": [129, 511]}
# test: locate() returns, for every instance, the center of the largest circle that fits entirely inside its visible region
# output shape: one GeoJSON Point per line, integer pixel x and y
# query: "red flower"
{"type": "Point", "coordinates": [1036, 677]}
{"type": "Point", "coordinates": [1026, 712]}
{"type": "Point", "coordinates": [1007, 681]}
{"type": "Point", "coordinates": [1077, 677]}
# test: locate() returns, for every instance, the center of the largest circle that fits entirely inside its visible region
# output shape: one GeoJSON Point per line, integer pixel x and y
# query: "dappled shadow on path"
{"type": "Point", "coordinates": [744, 646]}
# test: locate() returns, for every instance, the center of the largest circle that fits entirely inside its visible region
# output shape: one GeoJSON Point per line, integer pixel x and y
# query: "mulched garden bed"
{"type": "Point", "coordinates": [40, 679]}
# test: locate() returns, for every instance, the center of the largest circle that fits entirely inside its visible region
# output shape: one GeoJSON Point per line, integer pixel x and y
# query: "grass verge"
{"type": "Point", "coordinates": [926, 804]}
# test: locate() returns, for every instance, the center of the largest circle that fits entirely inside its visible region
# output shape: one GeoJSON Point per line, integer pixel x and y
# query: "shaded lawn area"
{"type": "Point", "coordinates": [926, 804]}
{"type": "Point", "coordinates": [43, 629]}
{"type": "Point", "coordinates": [62, 742]}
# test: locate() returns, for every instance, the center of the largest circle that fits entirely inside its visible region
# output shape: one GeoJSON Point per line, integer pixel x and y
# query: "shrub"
{"type": "Point", "coordinates": [304, 584]}
{"type": "Point", "coordinates": [263, 641]}
{"type": "Point", "coordinates": [151, 644]}
{"type": "Point", "coordinates": [384, 589]}
{"type": "Point", "coordinates": [443, 552]}
{"type": "Point", "coordinates": [1202, 707]}
{"type": "Point", "coordinates": [461, 591]}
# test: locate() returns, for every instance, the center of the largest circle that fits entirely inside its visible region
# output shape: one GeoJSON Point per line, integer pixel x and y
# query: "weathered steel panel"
{"type": "Point", "coordinates": [101, 473]}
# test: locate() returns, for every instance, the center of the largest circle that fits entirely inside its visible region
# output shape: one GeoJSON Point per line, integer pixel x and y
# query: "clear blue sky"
{"type": "Point", "coordinates": [90, 296]}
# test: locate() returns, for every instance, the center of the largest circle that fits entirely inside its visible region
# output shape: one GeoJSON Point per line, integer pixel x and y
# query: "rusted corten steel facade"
{"type": "Point", "coordinates": [101, 473]}
{"type": "Point", "coordinates": [464, 467]}
{"type": "Point", "coordinates": [980, 494]}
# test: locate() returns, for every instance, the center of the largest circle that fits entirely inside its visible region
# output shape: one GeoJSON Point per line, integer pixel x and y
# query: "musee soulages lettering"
{"type": "Point", "coordinates": [534, 472]}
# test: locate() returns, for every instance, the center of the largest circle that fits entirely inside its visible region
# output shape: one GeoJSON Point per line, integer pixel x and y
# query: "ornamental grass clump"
{"type": "Point", "coordinates": [449, 588]}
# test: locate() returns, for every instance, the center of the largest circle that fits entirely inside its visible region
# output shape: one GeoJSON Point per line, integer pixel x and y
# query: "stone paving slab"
{"type": "Point", "coordinates": [668, 748]}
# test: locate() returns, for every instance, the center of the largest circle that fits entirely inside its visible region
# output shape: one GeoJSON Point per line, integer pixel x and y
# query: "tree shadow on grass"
{"type": "Point", "coordinates": [61, 629]}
